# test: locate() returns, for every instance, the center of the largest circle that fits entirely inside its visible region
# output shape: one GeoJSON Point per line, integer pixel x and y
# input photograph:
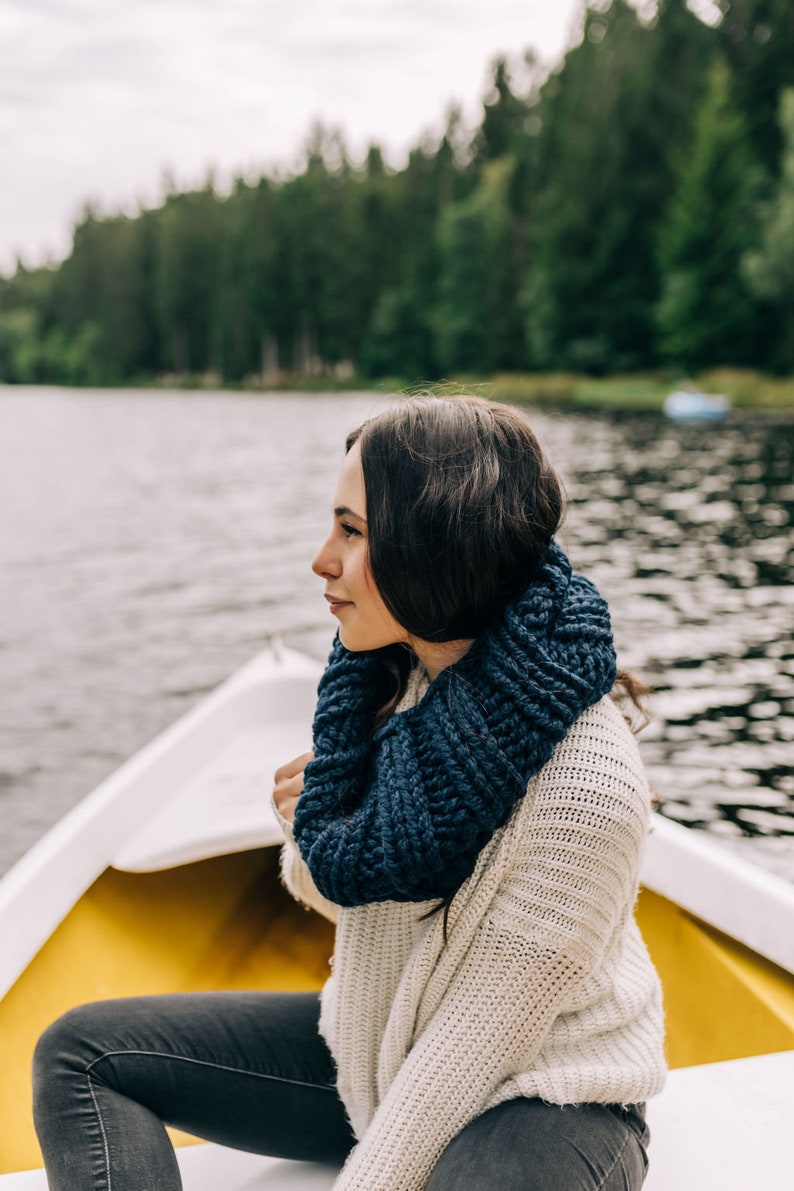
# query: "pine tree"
{"type": "Point", "coordinates": [610, 123]}
{"type": "Point", "coordinates": [477, 322]}
{"type": "Point", "coordinates": [706, 314]}
{"type": "Point", "coordinates": [187, 293]}
{"type": "Point", "coordinates": [770, 269]}
{"type": "Point", "coordinates": [504, 117]}
{"type": "Point", "coordinates": [756, 38]}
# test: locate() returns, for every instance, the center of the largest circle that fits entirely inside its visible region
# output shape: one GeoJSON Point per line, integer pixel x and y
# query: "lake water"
{"type": "Point", "coordinates": [151, 542]}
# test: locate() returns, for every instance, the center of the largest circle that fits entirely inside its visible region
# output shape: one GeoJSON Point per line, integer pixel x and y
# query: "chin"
{"type": "Point", "coordinates": [357, 646]}
{"type": "Point", "coordinates": [361, 643]}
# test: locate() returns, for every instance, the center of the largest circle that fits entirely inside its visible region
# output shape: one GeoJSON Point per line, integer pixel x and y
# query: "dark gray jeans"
{"type": "Point", "coordinates": [250, 1070]}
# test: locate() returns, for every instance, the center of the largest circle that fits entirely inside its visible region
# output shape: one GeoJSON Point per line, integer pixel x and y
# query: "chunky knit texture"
{"type": "Point", "coordinates": [403, 815]}
{"type": "Point", "coordinates": [544, 988]}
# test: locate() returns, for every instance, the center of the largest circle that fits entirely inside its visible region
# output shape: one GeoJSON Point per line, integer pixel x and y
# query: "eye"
{"type": "Point", "coordinates": [349, 530]}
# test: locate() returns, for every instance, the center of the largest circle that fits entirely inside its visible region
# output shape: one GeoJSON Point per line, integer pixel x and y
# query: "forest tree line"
{"type": "Point", "coordinates": [632, 209]}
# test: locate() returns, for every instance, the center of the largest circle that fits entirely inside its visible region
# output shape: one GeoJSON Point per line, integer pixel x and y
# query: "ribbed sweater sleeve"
{"type": "Point", "coordinates": [450, 1072]}
{"type": "Point", "coordinates": [569, 890]}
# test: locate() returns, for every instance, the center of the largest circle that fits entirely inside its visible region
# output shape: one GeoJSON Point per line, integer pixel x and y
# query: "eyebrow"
{"type": "Point", "coordinates": [344, 511]}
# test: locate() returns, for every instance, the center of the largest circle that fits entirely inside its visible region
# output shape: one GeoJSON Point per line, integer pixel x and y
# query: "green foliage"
{"type": "Point", "coordinates": [611, 122]}
{"type": "Point", "coordinates": [32, 357]}
{"type": "Point", "coordinates": [706, 312]}
{"type": "Point", "coordinates": [504, 117]}
{"type": "Point", "coordinates": [770, 269]}
{"type": "Point", "coordinates": [756, 39]}
{"type": "Point", "coordinates": [400, 340]}
{"type": "Point", "coordinates": [603, 217]}
{"type": "Point", "coordinates": [745, 387]}
{"type": "Point", "coordinates": [19, 346]}
{"type": "Point", "coordinates": [749, 388]}
{"type": "Point", "coordinates": [188, 233]}
{"type": "Point", "coordinates": [476, 316]}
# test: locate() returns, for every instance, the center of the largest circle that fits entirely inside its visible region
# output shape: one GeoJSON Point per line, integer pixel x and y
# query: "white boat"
{"type": "Point", "coordinates": [165, 878]}
{"type": "Point", "coordinates": [691, 405]}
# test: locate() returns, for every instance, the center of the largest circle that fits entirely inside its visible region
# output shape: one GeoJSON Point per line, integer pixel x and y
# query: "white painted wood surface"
{"type": "Point", "coordinates": [725, 1127]}
{"type": "Point", "coordinates": [213, 1168]}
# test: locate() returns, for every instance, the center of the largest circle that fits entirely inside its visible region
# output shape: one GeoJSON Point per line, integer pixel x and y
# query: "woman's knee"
{"type": "Point", "coordinates": [72, 1041]}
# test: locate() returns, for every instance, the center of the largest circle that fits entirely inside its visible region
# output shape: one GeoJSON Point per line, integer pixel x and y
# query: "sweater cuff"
{"type": "Point", "coordinates": [296, 876]}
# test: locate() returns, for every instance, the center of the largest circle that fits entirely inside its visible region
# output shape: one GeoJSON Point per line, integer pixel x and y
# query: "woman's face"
{"type": "Point", "coordinates": [342, 561]}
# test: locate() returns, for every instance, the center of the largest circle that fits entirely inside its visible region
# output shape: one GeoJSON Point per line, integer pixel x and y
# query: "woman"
{"type": "Point", "coordinates": [472, 817]}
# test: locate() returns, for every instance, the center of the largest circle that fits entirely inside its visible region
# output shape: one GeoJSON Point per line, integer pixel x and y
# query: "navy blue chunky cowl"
{"type": "Point", "coordinates": [402, 814]}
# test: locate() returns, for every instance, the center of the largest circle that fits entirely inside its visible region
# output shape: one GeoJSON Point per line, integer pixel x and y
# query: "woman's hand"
{"type": "Point", "coordinates": [289, 783]}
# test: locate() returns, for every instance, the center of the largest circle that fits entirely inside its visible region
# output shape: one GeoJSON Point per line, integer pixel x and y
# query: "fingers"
{"type": "Point", "coordinates": [294, 767]}
{"type": "Point", "coordinates": [289, 784]}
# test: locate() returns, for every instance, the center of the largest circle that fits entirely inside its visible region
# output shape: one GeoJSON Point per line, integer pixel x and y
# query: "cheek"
{"type": "Point", "coordinates": [378, 607]}
{"type": "Point", "coordinates": [369, 586]}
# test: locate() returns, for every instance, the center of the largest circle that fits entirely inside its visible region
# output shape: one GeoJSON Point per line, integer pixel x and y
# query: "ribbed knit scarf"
{"type": "Point", "coordinates": [402, 814]}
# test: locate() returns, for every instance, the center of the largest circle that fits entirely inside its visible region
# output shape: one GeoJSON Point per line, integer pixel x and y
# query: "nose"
{"type": "Point", "coordinates": [326, 561]}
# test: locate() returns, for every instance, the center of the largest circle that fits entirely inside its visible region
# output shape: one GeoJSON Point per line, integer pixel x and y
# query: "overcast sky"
{"type": "Point", "coordinates": [98, 98]}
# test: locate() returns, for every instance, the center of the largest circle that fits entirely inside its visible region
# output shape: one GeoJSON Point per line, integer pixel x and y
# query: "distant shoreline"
{"type": "Point", "coordinates": [745, 389]}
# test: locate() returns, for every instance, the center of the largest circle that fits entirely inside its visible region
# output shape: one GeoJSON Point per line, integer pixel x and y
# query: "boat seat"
{"type": "Point", "coordinates": [725, 1125]}
{"type": "Point", "coordinates": [215, 1168]}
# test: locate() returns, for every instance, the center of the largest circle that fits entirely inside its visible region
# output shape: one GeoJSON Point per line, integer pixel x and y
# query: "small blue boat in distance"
{"type": "Point", "coordinates": [691, 405]}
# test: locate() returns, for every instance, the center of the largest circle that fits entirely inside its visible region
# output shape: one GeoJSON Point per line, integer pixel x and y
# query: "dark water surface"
{"type": "Point", "coordinates": [150, 543]}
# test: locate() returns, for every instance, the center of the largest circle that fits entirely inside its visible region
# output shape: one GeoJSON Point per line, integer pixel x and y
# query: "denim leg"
{"type": "Point", "coordinates": [246, 1069]}
{"type": "Point", "coordinates": [528, 1145]}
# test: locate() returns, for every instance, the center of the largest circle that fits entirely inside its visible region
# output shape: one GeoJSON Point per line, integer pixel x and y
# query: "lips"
{"type": "Point", "coordinates": [337, 605]}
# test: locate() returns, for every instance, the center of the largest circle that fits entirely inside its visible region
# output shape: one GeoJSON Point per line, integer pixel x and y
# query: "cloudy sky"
{"type": "Point", "coordinates": [99, 98]}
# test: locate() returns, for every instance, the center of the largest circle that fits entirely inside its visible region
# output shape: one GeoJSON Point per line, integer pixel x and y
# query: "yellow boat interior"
{"type": "Point", "coordinates": [228, 923]}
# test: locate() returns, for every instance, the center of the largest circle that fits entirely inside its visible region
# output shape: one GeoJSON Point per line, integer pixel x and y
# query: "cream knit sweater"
{"type": "Point", "coordinates": [545, 987]}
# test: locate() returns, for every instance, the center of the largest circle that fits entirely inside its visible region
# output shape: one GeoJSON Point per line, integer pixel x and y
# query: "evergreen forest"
{"type": "Point", "coordinates": [631, 210]}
